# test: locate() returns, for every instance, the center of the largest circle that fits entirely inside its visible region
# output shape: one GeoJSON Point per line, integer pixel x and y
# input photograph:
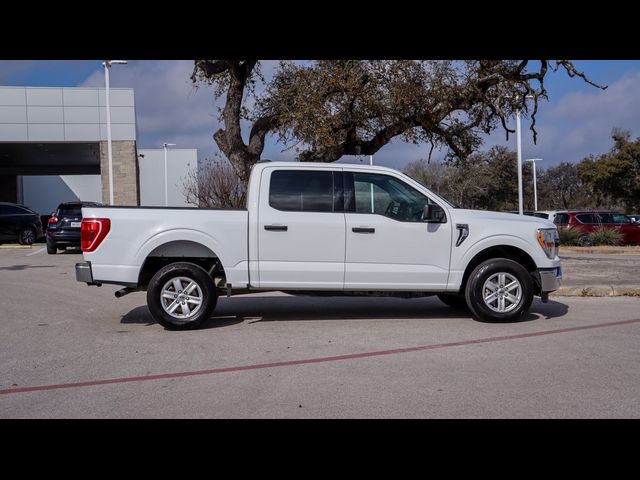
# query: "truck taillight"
{"type": "Point", "coordinates": [92, 232]}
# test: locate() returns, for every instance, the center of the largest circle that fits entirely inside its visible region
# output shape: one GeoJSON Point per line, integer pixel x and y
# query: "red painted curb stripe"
{"type": "Point", "coordinates": [311, 360]}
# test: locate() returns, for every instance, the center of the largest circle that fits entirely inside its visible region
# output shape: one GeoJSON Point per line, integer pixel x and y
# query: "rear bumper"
{"type": "Point", "coordinates": [84, 273]}
{"type": "Point", "coordinates": [550, 279]}
{"type": "Point", "coordinates": [63, 237]}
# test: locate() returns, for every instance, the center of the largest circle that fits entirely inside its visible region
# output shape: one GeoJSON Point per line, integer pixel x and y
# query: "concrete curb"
{"type": "Point", "coordinates": [598, 291]}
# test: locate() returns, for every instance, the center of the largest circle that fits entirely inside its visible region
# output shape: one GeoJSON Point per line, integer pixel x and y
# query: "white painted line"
{"type": "Point", "coordinates": [36, 252]}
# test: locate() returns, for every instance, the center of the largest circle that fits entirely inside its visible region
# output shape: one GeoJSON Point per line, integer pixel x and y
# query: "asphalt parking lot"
{"type": "Point", "coordinates": [72, 351]}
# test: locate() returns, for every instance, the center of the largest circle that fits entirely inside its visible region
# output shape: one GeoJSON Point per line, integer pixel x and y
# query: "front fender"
{"type": "Point", "coordinates": [485, 243]}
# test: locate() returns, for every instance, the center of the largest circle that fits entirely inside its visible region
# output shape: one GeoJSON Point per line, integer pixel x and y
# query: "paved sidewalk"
{"type": "Point", "coordinates": [591, 273]}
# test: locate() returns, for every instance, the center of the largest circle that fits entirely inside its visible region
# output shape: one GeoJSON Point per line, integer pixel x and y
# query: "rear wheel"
{"type": "Point", "coordinates": [499, 289]}
{"type": "Point", "coordinates": [181, 296]}
{"type": "Point", "coordinates": [27, 236]}
{"type": "Point", "coordinates": [454, 300]}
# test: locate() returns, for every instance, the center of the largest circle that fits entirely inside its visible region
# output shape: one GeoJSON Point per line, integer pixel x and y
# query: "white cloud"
{"type": "Point", "coordinates": [168, 107]}
{"type": "Point", "coordinates": [579, 124]}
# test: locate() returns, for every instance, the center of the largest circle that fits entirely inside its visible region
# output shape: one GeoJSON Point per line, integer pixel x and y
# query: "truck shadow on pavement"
{"type": "Point", "coordinates": [291, 308]}
{"type": "Point", "coordinates": [141, 315]}
{"type": "Point", "coordinates": [251, 309]}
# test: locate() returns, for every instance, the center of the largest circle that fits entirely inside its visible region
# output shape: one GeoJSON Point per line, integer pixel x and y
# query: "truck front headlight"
{"type": "Point", "coordinates": [549, 241]}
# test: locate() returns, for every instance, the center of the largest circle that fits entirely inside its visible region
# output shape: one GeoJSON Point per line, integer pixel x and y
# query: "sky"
{"type": "Point", "coordinates": [576, 121]}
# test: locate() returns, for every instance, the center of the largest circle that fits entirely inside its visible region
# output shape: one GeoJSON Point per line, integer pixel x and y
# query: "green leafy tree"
{"type": "Point", "coordinates": [561, 188]}
{"type": "Point", "coordinates": [485, 180]}
{"type": "Point", "coordinates": [614, 177]}
{"type": "Point", "coordinates": [327, 109]}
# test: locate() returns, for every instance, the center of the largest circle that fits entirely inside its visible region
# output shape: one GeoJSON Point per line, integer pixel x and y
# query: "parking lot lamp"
{"type": "Point", "coordinates": [107, 64]}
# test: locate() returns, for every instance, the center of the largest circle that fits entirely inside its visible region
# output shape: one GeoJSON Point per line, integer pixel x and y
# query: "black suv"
{"type": "Point", "coordinates": [20, 223]}
{"type": "Point", "coordinates": [63, 229]}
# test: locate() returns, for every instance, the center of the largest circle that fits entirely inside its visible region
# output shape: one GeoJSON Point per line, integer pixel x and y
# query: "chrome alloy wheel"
{"type": "Point", "coordinates": [181, 297]}
{"type": "Point", "coordinates": [502, 292]}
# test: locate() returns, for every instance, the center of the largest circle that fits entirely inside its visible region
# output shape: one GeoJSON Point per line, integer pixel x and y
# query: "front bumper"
{"type": "Point", "coordinates": [550, 279]}
{"type": "Point", "coordinates": [84, 273]}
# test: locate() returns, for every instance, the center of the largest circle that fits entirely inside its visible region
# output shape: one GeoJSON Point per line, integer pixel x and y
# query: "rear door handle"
{"type": "Point", "coordinates": [276, 228]}
{"type": "Point", "coordinates": [363, 230]}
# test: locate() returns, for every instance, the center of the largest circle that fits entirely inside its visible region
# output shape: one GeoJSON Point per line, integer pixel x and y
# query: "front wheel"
{"type": "Point", "coordinates": [499, 289]}
{"type": "Point", "coordinates": [181, 296]}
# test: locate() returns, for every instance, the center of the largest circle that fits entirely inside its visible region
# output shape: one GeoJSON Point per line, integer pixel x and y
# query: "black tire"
{"type": "Point", "coordinates": [475, 286]}
{"type": "Point", "coordinates": [207, 295]}
{"type": "Point", "coordinates": [454, 300]}
{"type": "Point", "coordinates": [27, 236]}
{"type": "Point", "coordinates": [51, 249]}
{"type": "Point", "coordinates": [584, 241]}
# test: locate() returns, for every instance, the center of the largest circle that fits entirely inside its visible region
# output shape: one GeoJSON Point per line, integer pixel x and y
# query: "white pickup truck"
{"type": "Point", "coordinates": [323, 229]}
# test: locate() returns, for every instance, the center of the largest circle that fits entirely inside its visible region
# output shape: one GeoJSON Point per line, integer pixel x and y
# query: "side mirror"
{"type": "Point", "coordinates": [433, 213]}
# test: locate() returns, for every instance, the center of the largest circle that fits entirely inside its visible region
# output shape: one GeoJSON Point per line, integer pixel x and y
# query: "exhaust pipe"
{"type": "Point", "coordinates": [125, 291]}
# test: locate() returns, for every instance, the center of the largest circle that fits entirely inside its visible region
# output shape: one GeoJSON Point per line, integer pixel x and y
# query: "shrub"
{"type": "Point", "coordinates": [604, 236]}
{"type": "Point", "coordinates": [214, 185]}
{"type": "Point", "coordinates": [570, 236]}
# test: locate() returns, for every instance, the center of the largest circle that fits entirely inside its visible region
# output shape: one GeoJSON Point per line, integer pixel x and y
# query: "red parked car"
{"type": "Point", "coordinates": [588, 221]}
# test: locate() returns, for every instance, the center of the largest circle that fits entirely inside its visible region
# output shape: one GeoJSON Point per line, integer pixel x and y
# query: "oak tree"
{"type": "Point", "coordinates": [327, 109]}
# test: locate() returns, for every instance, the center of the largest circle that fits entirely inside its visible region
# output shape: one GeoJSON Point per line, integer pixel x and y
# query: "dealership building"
{"type": "Point", "coordinates": [53, 148]}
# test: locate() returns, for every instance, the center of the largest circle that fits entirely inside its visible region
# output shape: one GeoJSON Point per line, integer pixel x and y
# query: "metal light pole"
{"type": "Point", "coordinates": [166, 191]}
{"type": "Point", "coordinates": [535, 187]}
{"type": "Point", "coordinates": [372, 202]}
{"type": "Point", "coordinates": [519, 148]}
{"type": "Point", "coordinates": [107, 64]}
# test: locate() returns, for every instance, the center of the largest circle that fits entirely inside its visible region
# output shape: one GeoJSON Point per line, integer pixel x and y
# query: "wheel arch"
{"type": "Point", "coordinates": [499, 251]}
{"type": "Point", "coordinates": [187, 251]}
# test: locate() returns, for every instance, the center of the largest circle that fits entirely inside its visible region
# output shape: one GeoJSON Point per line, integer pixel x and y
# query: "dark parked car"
{"type": "Point", "coordinates": [63, 229]}
{"type": "Point", "coordinates": [588, 221]}
{"type": "Point", "coordinates": [20, 223]}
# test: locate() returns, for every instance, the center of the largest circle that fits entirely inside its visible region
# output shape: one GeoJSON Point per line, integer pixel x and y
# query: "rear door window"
{"type": "Point", "coordinates": [586, 218]}
{"type": "Point", "coordinates": [302, 191]}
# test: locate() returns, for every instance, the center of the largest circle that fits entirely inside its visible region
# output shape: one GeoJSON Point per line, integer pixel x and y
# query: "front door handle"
{"type": "Point", "coordinates": [363, 230]}
{"type": "Point", "coordinates": [276, 228]}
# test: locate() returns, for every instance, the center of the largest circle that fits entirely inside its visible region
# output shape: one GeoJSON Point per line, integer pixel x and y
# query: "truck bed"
{"type": "Point", "coordinates": [139, 232]}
